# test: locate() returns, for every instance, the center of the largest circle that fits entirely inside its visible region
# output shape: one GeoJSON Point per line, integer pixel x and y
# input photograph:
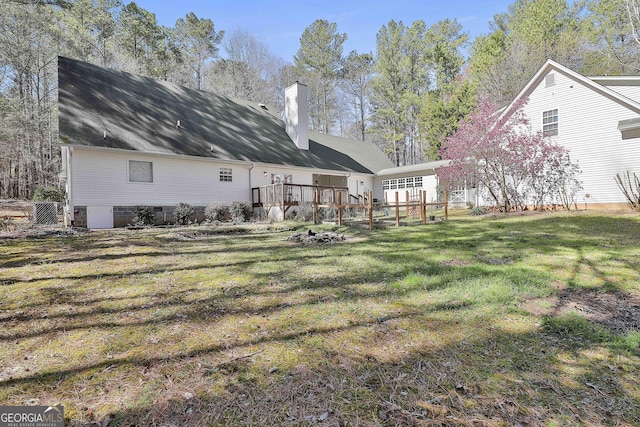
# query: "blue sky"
{"type": "Point", "coordinates": [281, 23]}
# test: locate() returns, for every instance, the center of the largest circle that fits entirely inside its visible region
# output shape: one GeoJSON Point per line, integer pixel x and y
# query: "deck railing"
{"type": "Point", "coordinates": [338, 198]}
{"type": "Point", "coordinates": [293, 194]}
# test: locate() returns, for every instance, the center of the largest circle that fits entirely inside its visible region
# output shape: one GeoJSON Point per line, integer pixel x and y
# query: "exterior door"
{"type": "Point", "coordinates": [99, 217]}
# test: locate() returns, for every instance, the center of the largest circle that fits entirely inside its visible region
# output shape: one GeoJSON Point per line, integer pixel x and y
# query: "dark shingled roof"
{"type": "Point", "coordinates": [141, 114]}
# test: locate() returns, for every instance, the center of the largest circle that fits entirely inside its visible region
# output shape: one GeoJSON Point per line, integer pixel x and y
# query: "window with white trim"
{"type": "Point", "coordinates": [400, 183]}
{"type": "Point", "coordinates": [226, 174]}
{"type": "Point", "coordinates": [278, 178]}
{"type": "Point", "coordinates": [140, 171]}
{"type": "Point", "coordinates": [550, 122]}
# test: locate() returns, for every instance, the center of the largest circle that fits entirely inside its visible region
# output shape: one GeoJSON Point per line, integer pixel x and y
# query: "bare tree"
{"type": "Point", "coordinates": [355, 82]}
{"type": "Point", "coordinates": [250, 68]}
{"type": "Point", "coordinates": [28, 135]}
{"type": "Point", "coordinates": [633, 8]}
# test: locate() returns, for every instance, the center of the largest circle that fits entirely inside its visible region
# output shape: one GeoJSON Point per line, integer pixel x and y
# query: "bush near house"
{"type": "Point", "coordinates": [217, 212]}
{"type": "Point", "coordinates": [144, 216]}
{"type": "Point", "coordinates": [629, 184]}
{"type": "Point", "coordinates": [478, 210]}
{"type": "Point", "coordinates": [183, 213]}
{"type": "Point", "coordinates": [241, 210]}
{"type": "Point", "coordinates": [48, 194]}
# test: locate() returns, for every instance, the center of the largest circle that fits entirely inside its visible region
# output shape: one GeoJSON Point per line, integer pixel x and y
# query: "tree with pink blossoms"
{"type": "Point", "coordinates": [506, 161]}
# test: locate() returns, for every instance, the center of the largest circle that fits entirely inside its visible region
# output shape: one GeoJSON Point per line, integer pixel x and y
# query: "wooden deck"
{"type": "Point", "coordinates": [286, 196]}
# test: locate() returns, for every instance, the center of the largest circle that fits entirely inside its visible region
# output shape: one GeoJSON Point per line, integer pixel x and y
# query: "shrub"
{"type": "Point", "coordinates": [629, 184]}
{"type": "Point", "coordinates": [241, 210]}
{"type": "Point", "coordinates": [216, 211]}
{"type": "Point", "coordinates": [183, 213]}
{"type": "Point", "coordinates": [478, 210]}
{"type": "Point", "coordinates": [48, 194]}
{"type": "Point", "coordinates": [144, 216]}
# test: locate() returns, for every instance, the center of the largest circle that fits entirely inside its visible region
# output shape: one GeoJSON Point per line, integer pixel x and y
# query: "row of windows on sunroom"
{"type": "Point", "coordinates": [400, 183]}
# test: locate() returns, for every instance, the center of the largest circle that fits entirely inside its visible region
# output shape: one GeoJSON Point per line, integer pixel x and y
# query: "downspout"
{"type": "Point", "coordinates": [253, 165]}
{"type": "Point", "coordinates": [70, 204]}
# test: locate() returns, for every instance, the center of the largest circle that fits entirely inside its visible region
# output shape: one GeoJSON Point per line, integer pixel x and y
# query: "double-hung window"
{"type": "Point", "coordinates": [550, 122]}
{"type": "Point", "coordinates": [226, 175]}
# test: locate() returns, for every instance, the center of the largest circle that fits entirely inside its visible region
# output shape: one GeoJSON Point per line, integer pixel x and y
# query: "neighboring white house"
{"type": "Point", "coordinates": [596, 118]}
{"type": "Point", "coordinates": [129, 140]}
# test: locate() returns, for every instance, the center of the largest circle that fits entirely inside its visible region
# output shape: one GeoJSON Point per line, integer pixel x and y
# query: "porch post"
{"type": "Point", "coordinates": [283, 203]}
{"type": "Point", "coordinates": [315, 206]}
{"type": "Point", "coordinates": [397, 210]}
{"type": "Point", "coordinates": [370, 210]}
{"type": "Point", "coordinates": [340, 208]}
{"type": "Point", "coordinates": [406, 200]}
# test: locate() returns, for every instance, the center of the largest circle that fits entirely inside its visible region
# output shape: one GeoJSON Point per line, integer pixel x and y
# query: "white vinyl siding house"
{"type": "Point", "coordinates": [195, 181]}
{"type": "Point", "coordinates": [130, 141]}
{"type": "Point", "coordinates": [101, 182]}
{"type": "Point", "coordinates": [106, 183]}
{"type": "Point", "coordinates": [586, 117]}
{"type": "Point", "coordinates": [117, 155]}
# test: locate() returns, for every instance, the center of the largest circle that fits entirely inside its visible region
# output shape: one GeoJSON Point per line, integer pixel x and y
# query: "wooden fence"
{"type": "Point", "coordinates": [285, 196]}
{"type": "Point", "coordinates": [409, 206]}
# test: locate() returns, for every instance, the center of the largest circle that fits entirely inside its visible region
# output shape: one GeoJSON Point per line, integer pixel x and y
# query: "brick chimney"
{"type": "Point", "coordinates": [296, 114]}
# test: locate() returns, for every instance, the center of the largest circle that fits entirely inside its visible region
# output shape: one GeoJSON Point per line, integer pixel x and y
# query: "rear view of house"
{"type": "Point", "coordinates": [129, 140]}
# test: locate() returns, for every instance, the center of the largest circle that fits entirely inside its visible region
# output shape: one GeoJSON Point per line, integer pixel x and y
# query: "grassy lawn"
{"type": "Point", "coordinates": [485, 321]}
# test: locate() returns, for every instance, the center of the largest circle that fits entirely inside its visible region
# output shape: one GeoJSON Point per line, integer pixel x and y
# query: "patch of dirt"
{"type": "Point", "coordinates": [16, 208]}
{"type": "Point", "coordinates": [313, 237]}
{"type": "Point", "coordinates": [617, 311]}
{"type": "Point", "coordinates": [455, 263]}
{"type": "Point", "coordinates": [39, 231]}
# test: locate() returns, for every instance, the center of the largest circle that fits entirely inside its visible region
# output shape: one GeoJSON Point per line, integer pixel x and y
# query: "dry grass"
{"type": "Point", "coordinates": [445, 324]}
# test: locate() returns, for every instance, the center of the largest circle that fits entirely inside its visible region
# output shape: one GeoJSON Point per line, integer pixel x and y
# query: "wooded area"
{"type": "Point", "coordinates": [407, 97]}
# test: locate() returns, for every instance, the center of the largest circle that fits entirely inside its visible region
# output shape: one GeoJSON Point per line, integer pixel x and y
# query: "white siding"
{"type": "Point", "coordinates": [359, 185]}
{"type": "Point", "coordinates": [261, 175]}
{"type": "Point", "coordinates": [631, 92]}
{"type": "Point", "coordinates": [429, 184]}
{"type": "Point", "coordinates": [100, 178]}
{"type": "Point", "coordinates": [587, 126]}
